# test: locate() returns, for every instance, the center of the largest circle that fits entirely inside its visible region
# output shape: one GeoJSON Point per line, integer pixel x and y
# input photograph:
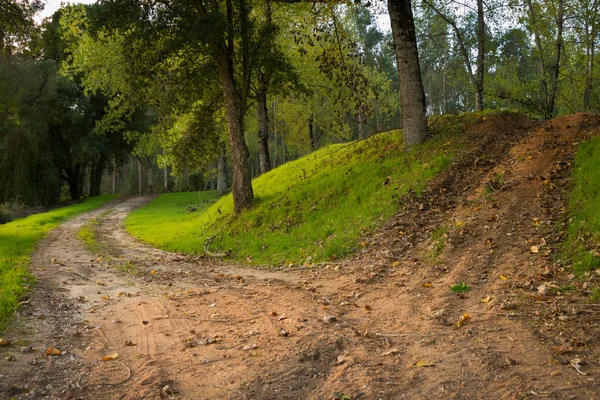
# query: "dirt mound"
{"type": "Point", "coordinates": [383, 325]}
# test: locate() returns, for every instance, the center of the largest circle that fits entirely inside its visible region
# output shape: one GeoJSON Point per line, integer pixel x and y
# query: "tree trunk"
{"type": "Point", "coordinates": [166, 180]}
{"type": "Point", "coordinates": [480, 57]}
{"type": "Point", "coordinates": [96, 172]}
{"type": "Point", "coordinates": [139, 176]}
{"type": "Point", "coordinates": [311, 135]}
{"type": "Point", "coordinates": [412, 95]}
{"type": "Point", "coordinates": [361, 134]}
{"type": "Point", "coordinates": [222, 173]}
{"type": "Point", "coordinates": [242, 183]}
{"type": "Point", "coordinates": [150, 178]}
{"type": "Point", "coordinates": [540, 52]}
{"type": "Point", "coordinates": [556, 67]}
{"type": "Point", "coordinates": [263, 125]}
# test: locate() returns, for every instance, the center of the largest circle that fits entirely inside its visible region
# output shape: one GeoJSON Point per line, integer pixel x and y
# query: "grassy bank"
{"type": "Point", "coordinates": [313, 209]}
{"type": "Point", "coordinates": [18, 239]}
{"type": "Point", "coordinates": [582, 245]}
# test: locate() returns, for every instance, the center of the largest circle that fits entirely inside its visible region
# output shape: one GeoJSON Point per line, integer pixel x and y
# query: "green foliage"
{"type": "Point", "coordinates": [17, 240]}
{"type": "Point", "coordinates": [312, 209]}
{"type": "Point", "coordinates": [460, 287]}
{"type": "Point", "coordinates": [582, 244]}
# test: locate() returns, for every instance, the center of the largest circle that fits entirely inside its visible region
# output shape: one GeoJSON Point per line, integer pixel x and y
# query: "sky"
{"type": "Point", "coordinates": [53, 5]}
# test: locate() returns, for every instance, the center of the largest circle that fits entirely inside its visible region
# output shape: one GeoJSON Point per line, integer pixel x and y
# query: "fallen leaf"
{"type": "Point", "coordinates": [110, 357]}
{"type": "Point", "coordinates": [463, 320]}
{"type": "Point", "coordinates": [427, 284]}
{"type": "Point", "coordinates": [52, 351]}
{"type": "Point", "coordinates": [249, 347]}
{"type": "Point", "coordinates": [504, 278]}
{"type": "Point", "coordinates": [130, 343]}
{"type": "Point", "coordinates": [368, 307]}
{"type": "Point", "coordinates": [4, 342]}
{"type": "Point", "coordinates": [534, 249]}
{"type": "Point", "coordinates": [282, 318]}
{"type": "Point", "coordinates": [486, 299]}
{"type": "Point", "coordinates": [563, 349]}
{"type": "Point", "coordinates": [340, 360]}
{"type": "Point", "coordinates": [100, 283]}
{"type": "Point", "coordinates": [153, 272]}
{"type": "Point", "coordinates": [106, 297]}
{"type": "Point", "coordinates": [273, 314]}
{"type": "Point", "coordinates": [395, 263]}
{"type": "Point", "coordinates": [425, 363]}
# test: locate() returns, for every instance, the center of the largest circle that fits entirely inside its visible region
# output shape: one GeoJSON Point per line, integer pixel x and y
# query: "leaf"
{"type": "Point", "coordinates": [427, 284]}
{"type": "Point", "coordinates": [463, 320]}
{"type": "Point", "coordinates": [130, 343]}
{"type": "Point", "coordinates": [504, 278]}
{"type": "Point", "coordinates": [106, 297]}
{"type": "Point", "coordinates": [460, 287]}
{"type": "Point", "coordinates": [52, 351]}
{"type": "Point", "coordinates": [395, 263]}
{"type": "Point", "coordinates": [153, 272]}
{"type": "Point", "coordinates": [423, 363]}
{"type": "Point", "coordinates": [534, 249]}
{"type": "Point", "coordinates": [4, 342]}
{"type": "Point", "coordinates": [486, 299]}
{"type": "Point", "coordinates": [110, 357]}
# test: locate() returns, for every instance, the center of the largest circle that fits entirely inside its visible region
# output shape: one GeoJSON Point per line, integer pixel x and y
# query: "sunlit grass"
{"type": "Point", "coordinates": [582, 245]}
{"type": "Point", "coordinates": [313, 209]}
{"type": "Point", "coordinates": [18, 239]}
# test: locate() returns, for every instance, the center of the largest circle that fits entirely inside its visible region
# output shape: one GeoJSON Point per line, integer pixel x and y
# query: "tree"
{"type": "Point", "coordinates": [411, 87]}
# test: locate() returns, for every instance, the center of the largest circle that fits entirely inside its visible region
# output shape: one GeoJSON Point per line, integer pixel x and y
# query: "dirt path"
{"type": "Point", "coordinates": [380, 326]}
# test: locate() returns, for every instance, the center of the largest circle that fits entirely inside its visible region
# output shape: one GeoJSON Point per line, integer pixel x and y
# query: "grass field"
{"type": "Point", "coordinates": [18, 239]}
{"type": "Point", "coordinates": [582, 245]}
{"type": "Point", "coordinates": [313, 209]}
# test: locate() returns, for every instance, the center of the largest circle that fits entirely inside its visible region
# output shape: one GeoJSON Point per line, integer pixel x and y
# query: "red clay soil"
{"type": "Point", "coordinates": [383, 325]}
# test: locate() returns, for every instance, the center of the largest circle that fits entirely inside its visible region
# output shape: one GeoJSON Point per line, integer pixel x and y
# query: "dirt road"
{"type": "Point", "coordinates": [383, 325]}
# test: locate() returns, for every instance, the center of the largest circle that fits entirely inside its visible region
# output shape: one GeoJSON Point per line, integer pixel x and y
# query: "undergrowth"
{"type": "Point", "coordinates": [582, 245]}
{"type": "Point", "coordinates": [87, 234]}
{"type": "Point", "coordinates": [18, 239]}
{"type": "Point", "coordinates": [313, 209]}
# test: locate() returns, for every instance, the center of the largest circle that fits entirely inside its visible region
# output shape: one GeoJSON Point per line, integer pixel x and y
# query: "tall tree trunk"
{"type": "Point", "coordinates": [540, 52]}
{"type": "Point", "coordinates": [234, 102]}
{"type": "Point", "coordinates": [361, 133]}
{"type": "Point", "coordinates": [414, 118]}
{"type": "Point", "coordinates": [311, 135]}
{"type": "Point", "coordinates": [221, 173]}
{"type": "Point", "coordinates": [96, 172]}
{"type": "Point", "coordinates": [263, 124]}
{"type": "Point", "coordinates": [150, 178]}
{"type": "Point", "coordinates": [139, 176]}
{"type": "Point", "coordinates": [557, 59]}
{"type": "Point", "coordinates": [114, 177]}
{"type": "Point", "coordinates": [166, 179]}
{"type": "Point", "coordinates": [479, 105]}
{"type": "Point", "coordinates": [275, 137]}
{"type": "Point", "coordinates": [242, 182]}
{"type": "Point", "coordinates": [444, 76]}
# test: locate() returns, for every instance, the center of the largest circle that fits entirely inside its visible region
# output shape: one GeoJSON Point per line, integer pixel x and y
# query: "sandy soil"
{"type": "Point", "coordinates": [382, 325]}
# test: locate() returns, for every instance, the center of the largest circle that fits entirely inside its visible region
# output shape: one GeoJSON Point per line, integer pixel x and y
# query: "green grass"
{"type": "Point", "coordinates": [582, 245]}
{"type": "Point", "coordinates": [313, 209]}
{"type": "Point", "coordinates": [87, 234]}
{"type": "Point", "coordinates": [17, 240]}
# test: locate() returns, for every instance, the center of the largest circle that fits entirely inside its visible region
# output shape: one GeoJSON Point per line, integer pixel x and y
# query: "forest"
{"type": "Point", "coordinates": [126, 96]}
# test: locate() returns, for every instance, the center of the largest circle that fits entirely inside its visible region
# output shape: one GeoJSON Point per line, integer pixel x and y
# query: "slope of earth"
{"type": "Point", "coordinates": [383, 325]}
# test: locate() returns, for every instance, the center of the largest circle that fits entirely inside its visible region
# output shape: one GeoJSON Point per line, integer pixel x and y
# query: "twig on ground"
{"type": "Point", "coordinates": [197, 364]}
{"type": "Point", "coordinates": [410, 334]}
